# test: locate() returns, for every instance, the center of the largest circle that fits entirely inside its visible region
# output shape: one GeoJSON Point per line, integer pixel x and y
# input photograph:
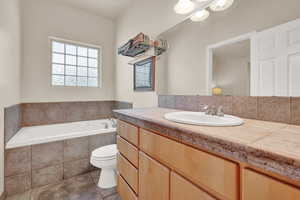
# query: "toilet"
{"type": "Point", "coordinates": [106, 159]}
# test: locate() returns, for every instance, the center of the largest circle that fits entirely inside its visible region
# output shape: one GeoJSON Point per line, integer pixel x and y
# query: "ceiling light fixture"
{"type": "Point", "coordinates": [221, 5]}
{"type": "Point", "coordinates": [184, 7]}
{"type": "Point", "coordinates": [200, 16]}
{"type": "Point", "coordinates": [202, 1]}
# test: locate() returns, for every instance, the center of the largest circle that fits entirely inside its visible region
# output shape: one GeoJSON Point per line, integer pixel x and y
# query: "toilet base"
{"type": "Point", "coordinates": [108, 178]}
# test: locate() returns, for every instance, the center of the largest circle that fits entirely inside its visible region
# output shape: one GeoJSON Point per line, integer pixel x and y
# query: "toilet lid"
{"type": "Point", "coordinates": [106, 152]}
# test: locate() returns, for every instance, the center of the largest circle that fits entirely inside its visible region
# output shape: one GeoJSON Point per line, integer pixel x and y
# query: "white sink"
{"type": "Point", "coordinates": [200, 118]}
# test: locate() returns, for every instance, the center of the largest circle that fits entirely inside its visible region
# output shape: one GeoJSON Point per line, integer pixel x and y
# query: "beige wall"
{"type": "Point", "coordinates": [152, 18]}
{"type": "Point", "coordinates": [41, 19]}
{"type": "Point", "coordinates": [187, 55]}
{"type": "Point", "coordinates": [9, 66]}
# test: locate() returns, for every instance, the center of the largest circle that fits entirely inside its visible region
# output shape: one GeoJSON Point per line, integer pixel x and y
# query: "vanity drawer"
{"type": "Point", "coordinates": [128, 150]}
{"type": "Point", "coordinates": [260, 187]}
{"type": "Point", "coordinates": [128, 132]}
{"type": "Point", "coordinates": [124, 190]}
{"type": "Point", "coordinates": [183, 189]}
{"type": "Point", "coordinates": [128, 172]}
{"type": "Point", "coordinates": [210, 172]}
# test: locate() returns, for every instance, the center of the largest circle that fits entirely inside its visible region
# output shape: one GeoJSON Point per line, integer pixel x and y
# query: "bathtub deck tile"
{"type": "Point", "coordinates": [101, 140]}
{"type": "Point", "coordinates": [44, 155]}
{"type": "Point", "coordinates": [17, 161]}
{"type": "Point", "coordinates": [17, 184]}
{"type": "Point", "coordinates": [76, 149]}
{"type": "Point", "coordinates": [48, 175]}
{"type": "Point", "coordinates": [74, 168]}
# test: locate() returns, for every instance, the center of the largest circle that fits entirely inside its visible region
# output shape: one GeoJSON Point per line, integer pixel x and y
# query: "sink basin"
{"type": "Point", "coordinates": [202, 119]}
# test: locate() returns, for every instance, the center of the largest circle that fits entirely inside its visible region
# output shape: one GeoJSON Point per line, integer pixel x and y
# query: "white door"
{"type": "Point", "coordinates": [277, 58]}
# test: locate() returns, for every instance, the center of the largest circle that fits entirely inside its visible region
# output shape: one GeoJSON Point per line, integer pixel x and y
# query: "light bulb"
{"type": "Point", "coordinates": [200, 16]}
{"type": "Point", "coordinates": [184, 7]}
{"type": "Point", "coordinates": [202, 1]}
{"type": "Point", "coordinates": [220, 5]}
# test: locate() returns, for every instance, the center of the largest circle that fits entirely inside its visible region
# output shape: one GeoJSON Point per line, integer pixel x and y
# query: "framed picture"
{"type": "Point", "coordinates": [144, 75]}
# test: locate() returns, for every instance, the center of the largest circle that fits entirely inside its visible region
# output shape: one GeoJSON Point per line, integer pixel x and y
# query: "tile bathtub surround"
{"type": "Point", "coordinates": [12, 121]}
{"type": "Point", "coordinates": [39, 165]}
{"type": "Point", "coordinates": [43, 155]}
{"type": "Point", "coordinates": [50, 113]}
{"type": "Point", "coordinates": [275, 109]}
{"type": "Point", "coordinates": [31, 114]}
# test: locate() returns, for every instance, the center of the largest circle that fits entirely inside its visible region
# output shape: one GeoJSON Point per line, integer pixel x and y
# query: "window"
{"type": "Point", "coordinates": [74, 64]}
{"type": "Point", "coordinates": [144, 72]}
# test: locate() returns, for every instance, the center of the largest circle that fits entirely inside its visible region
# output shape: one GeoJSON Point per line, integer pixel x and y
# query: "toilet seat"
{"type": "Point", "coordinates": [105, 153]}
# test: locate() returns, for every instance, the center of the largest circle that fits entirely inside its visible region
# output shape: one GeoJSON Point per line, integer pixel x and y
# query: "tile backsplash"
{"type": "Point", "coordinates": [275, 109]}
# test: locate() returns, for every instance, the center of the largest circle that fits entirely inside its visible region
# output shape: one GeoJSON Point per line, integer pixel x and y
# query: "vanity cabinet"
{"type": "Point", "coordinates": [125, 191]}
{"type": "Point", "coordinates": [262, 187]}
{"type": "Point", "coordinates": [154, 167]}
{"type": "Point", "coordinates": [128, 132]}
{"type": "Point", "coordinates": [183, 189]}
{"type": "Point", "coordinates": [214, 173]}
{"type": "Point", "coordinates": [128, 150]}
{"type": "Point", "coordinates": [154, 179]}
{"type": "Point", "coordinates": [128, 171]}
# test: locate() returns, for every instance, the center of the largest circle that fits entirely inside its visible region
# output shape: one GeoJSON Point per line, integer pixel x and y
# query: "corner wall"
{"type": "Point", "coordinates": [9, 66]}
{"type": "Point", "coordinates": [41, 19]}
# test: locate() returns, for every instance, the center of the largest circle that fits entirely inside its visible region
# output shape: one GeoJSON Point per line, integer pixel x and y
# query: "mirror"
{"type": "Point", "coordinates": [231, 68]}
{"type": "Point", "coordinates": [238, 52]}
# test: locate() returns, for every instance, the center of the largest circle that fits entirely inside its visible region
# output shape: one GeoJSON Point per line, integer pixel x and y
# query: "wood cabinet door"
{"type": "Point", "coordinates": [153, 179]}
{"type": "Point", "coordinates": [183, 189]}
{"type": "Point", "coordinates": [260, 187]}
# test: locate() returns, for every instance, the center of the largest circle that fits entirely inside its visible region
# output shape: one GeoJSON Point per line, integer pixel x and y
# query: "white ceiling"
{"type": "Point", "coordinates": [107, 8]}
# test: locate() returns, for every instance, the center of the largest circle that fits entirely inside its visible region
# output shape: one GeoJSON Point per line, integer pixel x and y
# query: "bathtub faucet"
{"type": "Point", "coordinates": [113, 122]}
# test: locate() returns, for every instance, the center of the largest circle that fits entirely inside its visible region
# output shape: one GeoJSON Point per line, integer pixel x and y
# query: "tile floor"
{"type": "Point", "coordinates": [81, 187]}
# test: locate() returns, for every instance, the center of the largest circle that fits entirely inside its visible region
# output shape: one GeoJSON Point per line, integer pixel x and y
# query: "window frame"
{"type": "Point", "coordinates": [81, 44]}
{"type": "Point", "coordinates": [151, 60]}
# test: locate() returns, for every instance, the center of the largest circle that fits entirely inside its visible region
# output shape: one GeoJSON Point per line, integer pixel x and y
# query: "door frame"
{"type": "Point", "coordinates": [253, 67]}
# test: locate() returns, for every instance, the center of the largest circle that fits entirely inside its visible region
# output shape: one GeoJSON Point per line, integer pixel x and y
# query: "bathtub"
{"type": "Point", "coordinates": [57, 132]}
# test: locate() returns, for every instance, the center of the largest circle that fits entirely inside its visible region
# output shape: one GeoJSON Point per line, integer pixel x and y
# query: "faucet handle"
{"type": "Point", "coordinates": [204, 108]}
{"type": "Point", "coordinates": [220, 112]}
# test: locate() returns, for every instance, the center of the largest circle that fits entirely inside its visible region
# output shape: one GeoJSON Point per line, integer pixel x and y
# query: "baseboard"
{"type": "Point", "coordinates": [2, 196]}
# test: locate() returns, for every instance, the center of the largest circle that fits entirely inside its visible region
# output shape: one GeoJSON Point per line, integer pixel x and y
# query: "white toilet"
{"type": "Point", "coordinates": [106, 159]}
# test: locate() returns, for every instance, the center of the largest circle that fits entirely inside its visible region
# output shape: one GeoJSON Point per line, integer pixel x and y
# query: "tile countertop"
{"type": "Point", "coordinates": [272, 146]}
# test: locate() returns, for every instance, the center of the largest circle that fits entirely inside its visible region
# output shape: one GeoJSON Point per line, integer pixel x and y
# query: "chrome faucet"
{"type": "Point", "coordinates": [113, 122]}
{"type": "Point", "coordinates": [220, 111]}
{"type": "Point", "coordinates": [212, 110]}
